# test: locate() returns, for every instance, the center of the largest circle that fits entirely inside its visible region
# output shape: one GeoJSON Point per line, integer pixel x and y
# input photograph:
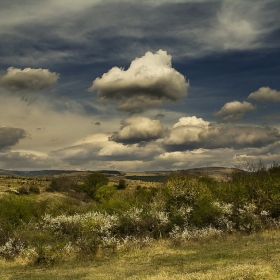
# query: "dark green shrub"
{"type": "Point", "coordinates": [144, 195]}
{"type": "Point", "coordinates": [15, 210]}
{"type": "Point", "coordinates": [204, 213]}
{"type": "Point", "coordinates": [34, 189]}
{"type": "Point", "coordinates": [94, 181]}
{"type": "Point", "coordinates": [122, 184]}
{"type": "Point", "coordinates": [62, 184]}
{"type": "Point", "coordinates": [23, 190]}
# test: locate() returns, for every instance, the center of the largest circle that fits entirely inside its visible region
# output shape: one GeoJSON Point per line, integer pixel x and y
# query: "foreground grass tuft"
{"type": "Point", "coordinates": [251, 257]}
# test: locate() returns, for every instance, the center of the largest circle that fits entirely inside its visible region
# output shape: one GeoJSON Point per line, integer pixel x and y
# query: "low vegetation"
{"type": "Point", "coordinates": [85, 221]}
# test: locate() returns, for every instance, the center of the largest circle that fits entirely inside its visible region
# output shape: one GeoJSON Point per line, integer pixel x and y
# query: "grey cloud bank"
{"type": "Point", "coordinates": [192, 133]}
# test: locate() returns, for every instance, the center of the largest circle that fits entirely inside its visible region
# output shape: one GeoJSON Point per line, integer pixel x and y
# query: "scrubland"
{"type": "Point", "coordinates": [190, 227]}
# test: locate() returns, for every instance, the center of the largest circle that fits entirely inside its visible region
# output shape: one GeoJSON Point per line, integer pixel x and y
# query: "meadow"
{"type": "Point", "coordinates": [93, 226]}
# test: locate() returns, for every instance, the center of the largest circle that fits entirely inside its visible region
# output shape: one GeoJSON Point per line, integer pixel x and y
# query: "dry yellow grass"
{"type": "Point", "coordinates": [235, 257]}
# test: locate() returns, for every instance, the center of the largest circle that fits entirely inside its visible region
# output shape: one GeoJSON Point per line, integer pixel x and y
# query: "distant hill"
{"type": "Point", "coordinates": [33, 173]}
{"type": "Point", "coordinates": [37, 173]}
{"type": "Point", "coordinates": [220, 173]}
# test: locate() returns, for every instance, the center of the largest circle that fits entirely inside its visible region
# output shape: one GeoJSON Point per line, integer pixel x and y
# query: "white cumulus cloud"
{"type": "Point", "coordinates": [265, 94]}
{"type": "Point", "coordinates": [234, 110]}
{"type": "Point", "coordinates": [187, 129]}
{"type": "Point", "coordinates": [192, 133]}
{"type": "Point", "coordinates": [148, 81]}
{"type": "Point", "coordinates": [138, 129]}
{"type": "Point", "coordinates": [28, 79]}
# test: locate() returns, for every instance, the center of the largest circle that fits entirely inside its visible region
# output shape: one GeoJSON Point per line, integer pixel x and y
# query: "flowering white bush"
{"type": "Point", "coordinates": [225, 208]}
{"type": "Point", "coordinates": [224, 220]}
{"type": "Point", "coordinates": [161, 216]}
{"type": "Point", "coordinates": [110, 241]}
{"type": "Point", "coordinates": [177, 235]}
{"type": "Point", "coordinates": [248, 220]}
{"type": "Point", "coordinates": [131, 242]}
{"type": "Point", "coordinates": [12, 248]}
{"type": "Point", "coordinates": [91, 221]}
{"type": "Point", "coordinates": [182, 189]}
{"type": "Point", "coordinates": [134, 214]}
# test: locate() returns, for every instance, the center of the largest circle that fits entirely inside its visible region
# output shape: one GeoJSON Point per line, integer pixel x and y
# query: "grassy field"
{"type": "Point", "coordinates": [66, 226]}
{"type": "Point", "coordinates": [233, 257]}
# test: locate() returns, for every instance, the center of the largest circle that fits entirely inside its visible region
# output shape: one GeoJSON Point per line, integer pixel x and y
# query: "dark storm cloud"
{"type": "Point", "coordinates": [148, 82]}
{"type": "Point", "coordinates": [10, 136]}
{"type": "Point", "coordinates": [28, 79]}
{"type": "Point", "coordinates": [94, 30]}
{"type": "Point", "coordinates": [138, 129]}
{"type": "Point", "coordinates": [91, 31]}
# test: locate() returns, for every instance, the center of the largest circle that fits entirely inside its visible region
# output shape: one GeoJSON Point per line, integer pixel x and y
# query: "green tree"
{"type": "Point", "coordinates": [122, 184]}
{"type": "Point", "coordinates": [93, 182]}
{"type": "Point", "coordinates": [61, 184]}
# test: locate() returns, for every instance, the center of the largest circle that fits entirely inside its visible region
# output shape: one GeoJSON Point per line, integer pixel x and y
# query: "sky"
{"type": "Point", "coordinates": [138, 85]}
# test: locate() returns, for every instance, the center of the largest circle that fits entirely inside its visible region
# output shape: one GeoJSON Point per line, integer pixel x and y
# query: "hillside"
{"type": "Point", "coordinates": [217, 172]}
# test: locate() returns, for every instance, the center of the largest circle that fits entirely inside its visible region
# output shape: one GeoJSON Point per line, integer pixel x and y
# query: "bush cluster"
{"type": "Point", "coordinates": [185, 208]}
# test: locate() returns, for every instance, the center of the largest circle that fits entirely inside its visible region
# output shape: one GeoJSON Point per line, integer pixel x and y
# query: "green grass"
{"type": "Point", "coordinates": [233, 257]}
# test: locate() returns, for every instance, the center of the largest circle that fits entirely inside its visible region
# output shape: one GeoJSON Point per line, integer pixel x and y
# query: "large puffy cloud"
{"type": "Point", "coordinates": [28, 79]}
{"type": "Point", "coordinates": [192, 133]}
{"type": "Point", "coordinates": [187, 130]}
{"type": "Point", "coordinates": [265, 94]}
{"type": "Point", "coordinates": [148, 81]}
{"type": "Point", "coordinates": [138, 129]}
{"type": "Point", "coordinates": [10, 136]}
{"type": "Point", "coordinates": [234, 110]}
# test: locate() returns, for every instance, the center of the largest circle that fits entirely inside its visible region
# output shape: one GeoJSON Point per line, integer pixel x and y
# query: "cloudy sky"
{"type": "Point", "coordinates": [138, 85]}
